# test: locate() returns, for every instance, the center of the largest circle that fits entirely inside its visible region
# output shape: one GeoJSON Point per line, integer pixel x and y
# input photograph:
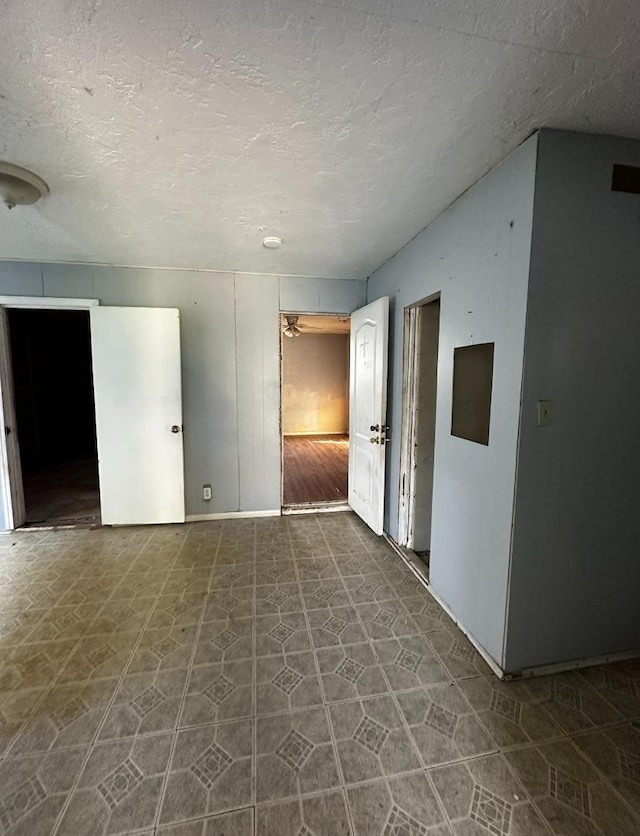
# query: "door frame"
{"type": "Point", "coordinates": [302, 507]}
{"type": "Point", "coordinates": [10, 466]}
{"type": "Point", "coordinates": [408, 429]}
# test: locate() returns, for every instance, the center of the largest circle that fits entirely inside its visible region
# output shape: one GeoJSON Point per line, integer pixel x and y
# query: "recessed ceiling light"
{"type": "Point", "coordinates": [271, 242]}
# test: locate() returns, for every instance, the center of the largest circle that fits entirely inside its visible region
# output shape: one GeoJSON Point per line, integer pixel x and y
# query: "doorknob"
{"type": "Point", "coordinates": [375, 440]}
{"type": "Point", "coordinates": [374, 428]}
{"type": "Point", "coordinates": [175, 428]}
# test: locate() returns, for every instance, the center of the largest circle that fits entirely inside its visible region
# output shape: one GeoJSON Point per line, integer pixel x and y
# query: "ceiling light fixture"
{"type": "Point", "coordinates": [19, 187]}
{"type": "Point", "coordinates": [291, 329]}
{"type": "Point", "coordinates": [271, 242]}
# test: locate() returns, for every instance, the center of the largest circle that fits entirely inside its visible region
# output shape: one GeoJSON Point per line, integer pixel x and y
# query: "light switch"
{"type": "Point", "coordinates": [545, 413]}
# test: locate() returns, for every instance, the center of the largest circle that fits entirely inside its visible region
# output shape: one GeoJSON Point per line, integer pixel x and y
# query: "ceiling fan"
{"type": "Point", "coordinates": [291, 327]}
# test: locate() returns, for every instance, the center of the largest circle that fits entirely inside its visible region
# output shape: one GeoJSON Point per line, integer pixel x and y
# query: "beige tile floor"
{"type": "Point", "coordinates": [282, 677]}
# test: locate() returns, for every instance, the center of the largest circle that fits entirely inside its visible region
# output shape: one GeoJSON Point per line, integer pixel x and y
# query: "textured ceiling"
{"type": "Point", "coordinates": [178, 134]}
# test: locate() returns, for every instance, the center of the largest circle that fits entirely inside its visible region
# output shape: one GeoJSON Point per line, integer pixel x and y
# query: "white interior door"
{"type": "Point", "coordinates": [13, 511]}
{"type": "Point", "coordinates": [137, 385]}
{"type": "Point", "coordinates": [368, 410]}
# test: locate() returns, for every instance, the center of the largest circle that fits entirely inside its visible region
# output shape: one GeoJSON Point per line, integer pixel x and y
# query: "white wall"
{"type": "Point", "coordinates": [576, 565]}
{"type": "Point", "coordinates": [315, 384]}
{"type": "Point", "coordinates": [477, 255]}
{"type": "Point", "coordinates": [230, 361]}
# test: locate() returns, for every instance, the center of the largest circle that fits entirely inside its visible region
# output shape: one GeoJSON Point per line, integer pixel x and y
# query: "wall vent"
{"type": "Point", "coordinates": [626, 178]}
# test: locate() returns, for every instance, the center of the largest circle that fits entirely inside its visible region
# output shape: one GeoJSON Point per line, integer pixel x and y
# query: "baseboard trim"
{"type": "Point", "coordinates": [575, 664]}
{"type": "Point", "coordinates": [315, 432]}
{"type": "Point", "coordinates": [231, 515]}
{"type": "Point", "coordinates": [525, 673]}
{"type": "Point", "coordinates": [495, 667]}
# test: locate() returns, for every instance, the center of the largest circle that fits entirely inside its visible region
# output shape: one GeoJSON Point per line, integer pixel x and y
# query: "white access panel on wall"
{"type": "Point", "coordinates": [138, 401]}
{"type": "Point", "coordinates": [367, 411]}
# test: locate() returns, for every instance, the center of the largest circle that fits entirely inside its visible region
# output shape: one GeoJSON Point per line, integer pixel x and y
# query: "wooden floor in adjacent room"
{"type": "Point", "coordinates": [315, 468]}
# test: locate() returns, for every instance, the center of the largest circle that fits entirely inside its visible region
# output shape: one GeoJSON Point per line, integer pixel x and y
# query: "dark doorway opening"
{"type": "Point", "coordinates": [425, 425]}
{"type": "Point", "coordinates": [53, 392]}
{"type": "Point", "coordinates": [420, 390]}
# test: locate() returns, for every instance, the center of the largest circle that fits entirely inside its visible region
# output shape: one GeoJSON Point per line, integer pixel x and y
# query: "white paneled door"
{"type": "Point", "coordinates": [367, 411]}
{"type": "Point", "coordinates": [10, 465]}
{"type": "Point", "coordinates": [138, 399]}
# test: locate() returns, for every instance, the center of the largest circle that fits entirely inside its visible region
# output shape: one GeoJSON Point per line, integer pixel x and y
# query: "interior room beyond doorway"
{"type": "Point", "coordinates": [315, 408]}
{"type": "Point", "coordinates": [54, 404]}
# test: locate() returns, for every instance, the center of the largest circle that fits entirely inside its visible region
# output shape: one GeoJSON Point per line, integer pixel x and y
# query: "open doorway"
{"type": "Point", "coordinates": [421, 340]}
{"type": "Point", "coordinates": [53, 399]}
{"type": "Point", "coordinates": [315, 410]}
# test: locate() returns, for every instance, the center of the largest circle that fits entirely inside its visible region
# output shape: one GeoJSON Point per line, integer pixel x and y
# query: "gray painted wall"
{"type": "Point", "coordinates": [230, 361]}
{"type": "Point", "coordinates": [575, 578]}
{"type": "Point", "coordinates": [477, 255]}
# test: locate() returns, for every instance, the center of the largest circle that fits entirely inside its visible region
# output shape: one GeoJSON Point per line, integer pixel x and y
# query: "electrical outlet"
{"type": "Point", "coordinates": [207, 493]}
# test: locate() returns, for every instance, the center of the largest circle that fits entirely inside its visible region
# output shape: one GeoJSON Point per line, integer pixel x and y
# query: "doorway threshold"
{"type": "Point", "coordinates": [59, 525]}
{"type": "Point", "coordinates": [314, 508]}
{"type": "Point", "coordinates": [419, 562]}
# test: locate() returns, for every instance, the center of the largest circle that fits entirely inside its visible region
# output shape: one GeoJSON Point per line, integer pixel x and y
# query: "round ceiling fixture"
{"type": "Point", "coordinates": [19, 187]}
{"type": "Point", "coordinates": [271, 242]}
